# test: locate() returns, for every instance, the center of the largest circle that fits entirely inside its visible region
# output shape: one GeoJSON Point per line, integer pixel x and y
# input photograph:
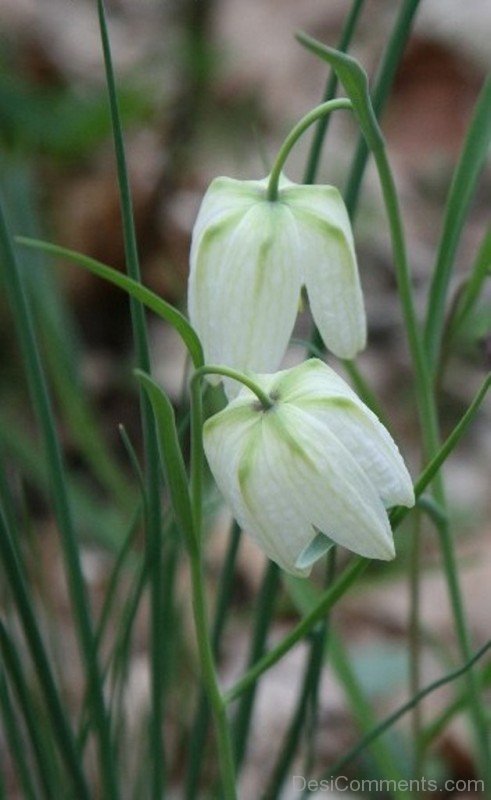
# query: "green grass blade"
{"type": "Point", "coordinates": [355, 81]}
{"type": "Point", "coordinates": [172, 460]}
{"type": "Point", "coordinates": [198, 738]}
{"type": "Point", "coordinates": [15, 742]}
{"type": "Point", "coordinates": [37, 735]}
{"type": "Point", "coordinates": [135, 289]}
{"type": "Point", "coordinates": [42, 405]}
{"type": "Point", "coordinates": [467, 172]}
{"type": "Point", "coordinates": [262, 618]}
{"type": "Point", "coordinates": [390, 61]}
{"type": "Point", "coordinates": [318, 139]}
{"type": "Point", "coordinates": [383, 754]}
{"type": "Point", "coordinates": [473, 286]}
{"type": "Point", "coordinates": [386, 724]}
{"type": "Point", "coordinates": [54, 705]}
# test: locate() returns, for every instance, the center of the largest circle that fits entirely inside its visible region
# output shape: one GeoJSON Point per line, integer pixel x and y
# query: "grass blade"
{"type": "Point", "coordinates": [42, 405]}
{"type": "Point", "coordinates": [469, 167]}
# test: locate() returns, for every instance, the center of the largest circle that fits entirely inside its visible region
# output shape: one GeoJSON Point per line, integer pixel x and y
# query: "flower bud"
{"type": "Point", "coordinates": [250, 257]}
{"type": "Point", "coordinates": [318, 461]}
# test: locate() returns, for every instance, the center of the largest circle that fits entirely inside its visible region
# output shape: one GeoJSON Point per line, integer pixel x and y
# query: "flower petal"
{"type": "Point", "coordinates": [244, 287]}
{"type": "Point", "coordinates": [323, 478]}
{"type": "Point", "coordinates": [242, 452]}
{"type": "Point", "coordinates": [369, 443]}
{"type": "Point", "coordinates": [329, 266]}
{"type": "Point", "coordinates": [223, 198]}
{"type": "Point", "coordinates": [316, 388]}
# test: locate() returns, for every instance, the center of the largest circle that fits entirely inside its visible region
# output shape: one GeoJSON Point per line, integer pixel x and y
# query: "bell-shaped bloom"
{"type": "Point", "coordinates": [317, 462]}
{"type": "Point", "coordinates": [249, 259]}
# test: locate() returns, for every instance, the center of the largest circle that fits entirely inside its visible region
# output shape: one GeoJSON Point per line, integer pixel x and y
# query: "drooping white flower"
{"type": "Point", "coordinates": [249, 258]}
{"type": "Point", "coordinates": [318, 461]}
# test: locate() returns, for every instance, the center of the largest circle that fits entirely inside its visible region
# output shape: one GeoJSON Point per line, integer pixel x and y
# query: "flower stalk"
{"type": "Point", "coordinates": [319, 112]}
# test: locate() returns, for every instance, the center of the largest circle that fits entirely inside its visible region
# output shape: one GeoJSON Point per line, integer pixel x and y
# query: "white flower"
{"type": "Point", "coordinates": [249, 258]}
{"type": "Point", "coordinates": [318, 461]}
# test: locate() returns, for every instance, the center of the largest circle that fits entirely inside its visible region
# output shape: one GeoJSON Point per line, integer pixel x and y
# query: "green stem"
{"type": "Point", "coordinates": [210, 679]}
{"type": "Point", "coordinates": [62, 510]}
{"type": "Point", "coordinates": [61, 728]}
{"type": "Point", "coordinates": [153, 527]}
{"type": "Point", "coordinates": [359, 564]}
{"type": "Point", "coordinates": [215, 698]}
{"type": "Point", "coordinates": [197, 739]}
{"type": "Point", "coordinates": [415, 639]}
{"type": "Point", "coordinates": [400, 712]}
{"type": "Point", "coordinates": [262, 618]}
{"type": "Point", "coordinates": [388, 67]}
{"type": "Point", "coordinates": [431, 440]}
{"type": "Point", "coordinates": [307, 699]}
{"type": "Point", "coordinates": [317, 113]}
{"type": "Point", "coordinates": [265, 400]}
{"type": "Point", "coordinates": [330, 91]}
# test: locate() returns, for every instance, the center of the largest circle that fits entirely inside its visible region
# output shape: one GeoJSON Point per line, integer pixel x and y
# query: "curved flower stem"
{"type": "Point", "coordinates": [206, 655]}
{"type": "Point", "coordinates": [265, 400]}
{"type": "Point", "coordinates": [197, 429]}
{"type": "Point", "coordinates": [317, 113]}
{"type": "Point", "coordinates": [210, 678]}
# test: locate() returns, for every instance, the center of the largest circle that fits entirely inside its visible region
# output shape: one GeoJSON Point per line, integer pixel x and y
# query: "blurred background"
{"type": "Point", "coordinates": [208, 88]}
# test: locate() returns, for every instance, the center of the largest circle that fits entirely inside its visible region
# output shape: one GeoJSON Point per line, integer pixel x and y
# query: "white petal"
{"type": "Point", "coordinates": [244, 287]}
{"type": "Point", "coordinates": [327, 483]}
{"type": "Point", "coordinates": [369, 443]}
{"type": "Point", "coordinates": [329, 267]}
{"type": "Point", "coordinates": [313, 379]}
{"type": "Point", "coordinates": [279, 526]}
{"type": "Point", "coordinates": [223, 198]}
{"type": "Point", "coordinates": [242, 453]}
{"type": "Point", "coordinates": [315, 387]}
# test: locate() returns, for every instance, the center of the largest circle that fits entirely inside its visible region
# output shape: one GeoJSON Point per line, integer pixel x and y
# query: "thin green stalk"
{"type": "Point", "coordinates": [153, 543]}
{"type": "Point", "coordinates": [359, 564]}
{"type": "Point", "coordinates": [225, 751]}
{"type": "Point", "coordinates": [307, 698]}
{"type": "Point", "coordinates": [197, 739]}
{"type": "Point", "coordinates": [186, 509]}
{"type": "Point", "coordinates": [387, 723]}
{"type": "Point", "coordinates": [438, 725]}
{"type": "Point", "coordinates": [292, 738]}
{"type": "Point", "coordinates": [319, 137]}
{"type": "Point", "coordinates": [61, 728]}
{"type": "Point", "coordinates": [37, 736]}
{"type": "Point", "coordinates": [15, 742]}
{"type": "Point", "coordinates": [469, 167]}
{"type": "Point", "coordinates": [480, 271]}
{"type": "Point", "coordinates": [265, 400]}
{"type": "Point", "coordinates": [383, 755]}
{"type": "Point", "coordinates": [309, 119]}
{"type": "Point", "coordinates": [389, 63]}
{"type": "Point", "coordinates": [415, 639]}
{"type": "Point", "coordinates": [42, 405]}
{"type": "Point", "coordinates": [262, 618]}
{"type": "Point", "coordinates": [326, 602]}
{"type": "Point", "coordinates": [431, 440]}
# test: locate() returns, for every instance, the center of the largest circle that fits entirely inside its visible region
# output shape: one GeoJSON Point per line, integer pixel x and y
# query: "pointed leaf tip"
{"type": "Point", "coordinates": [355, 81]}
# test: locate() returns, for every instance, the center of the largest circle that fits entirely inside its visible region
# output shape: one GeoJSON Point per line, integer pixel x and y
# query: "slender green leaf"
{"type": "Point", "coordinates": [466, 175]}
{"type": "Point", "coordinates": [133, 288]}
{"type": "Point", "coordinates": [355, 81]}
{"type": "Point", "coordinates": [171, 456]}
